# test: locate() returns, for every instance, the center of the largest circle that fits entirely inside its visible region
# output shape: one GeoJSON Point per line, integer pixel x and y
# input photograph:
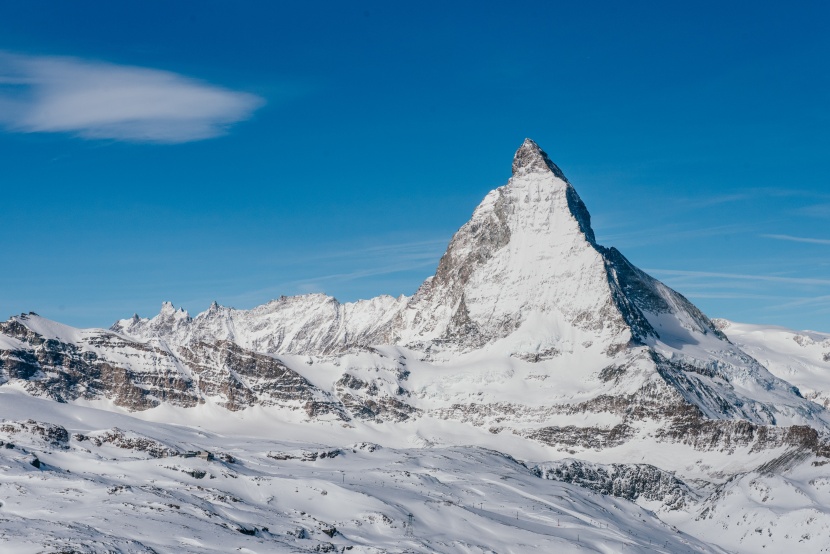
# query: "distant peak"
{"type": "Point", "coordinates": [530, 158]}
{"type": "Point", "coordinates": [168, 309]}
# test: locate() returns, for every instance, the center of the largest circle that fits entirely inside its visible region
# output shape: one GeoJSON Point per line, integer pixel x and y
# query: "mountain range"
{"type": "Point", "coordinates": [531, 343]}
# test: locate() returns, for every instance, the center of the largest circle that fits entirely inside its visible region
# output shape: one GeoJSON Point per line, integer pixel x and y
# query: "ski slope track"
{"type": "Point", "coordinates": [539, 391]}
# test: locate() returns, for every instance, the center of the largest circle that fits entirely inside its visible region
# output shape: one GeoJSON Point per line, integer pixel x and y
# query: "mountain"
{"type": "Point", "coordinates": [523, 291]}
{"type": "Point", "coordinates": [530, 339]}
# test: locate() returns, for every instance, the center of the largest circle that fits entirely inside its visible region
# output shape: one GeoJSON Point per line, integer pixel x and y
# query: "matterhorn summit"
{"type": "Point", "coordinates": [526, 255]}
{"type": "Point", "coordinates": [529, 158]}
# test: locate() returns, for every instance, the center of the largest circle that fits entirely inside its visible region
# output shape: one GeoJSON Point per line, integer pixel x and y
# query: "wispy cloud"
{"type": "Point", "coordinates": [100, 100]}
{"type": "Point", "coordinates": [671, 233]}
{"type": "Point", "coordinates": [419, 250]}
{"type": "Point", "coordinates": [716, 200]}
{"type": "Point", "coordinates": [337, 269]}
{"type": "Point", "coordinates": [741, 276]}
{"type": "Point", "coordinates": [812, 301]}
{"type": "Point", "coordinates": [382, 260]}
{"type": "Point", "coordinates": [748, 194]}
{"type": "Point", "coordinates": [733, 296]}
{"type": "Point", "coordinates": [816, 210]}
{"type": "Point", "coordinates": [797, 239]}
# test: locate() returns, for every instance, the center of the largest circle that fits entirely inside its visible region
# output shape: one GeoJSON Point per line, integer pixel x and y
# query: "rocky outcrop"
{"type": "Point", "coordinates": [66, 371]}
{"type": "Point", "coordinates": [630, 481]}
{"type": "Point", "coordinates": [139, 376]}
{"type": "Point", "coordinates": [241, 378]}
{"type": "Point", "coordinates": [595, 438]}
{"type": "Point", "coordinates": [726, 436]}
{"type": "Point", "coordinates": [45, 433]}
{"type": "Point", "coordinates": [128, 441]}
{"type": "Point", "coordinates": [365, 400]}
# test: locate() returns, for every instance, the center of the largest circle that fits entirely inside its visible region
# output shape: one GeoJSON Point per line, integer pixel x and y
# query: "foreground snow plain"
{"type": "Point", "coordinates": [262, 495]}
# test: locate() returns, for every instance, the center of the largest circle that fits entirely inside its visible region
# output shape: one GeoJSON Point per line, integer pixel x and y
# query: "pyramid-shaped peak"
{"type": "Point", "coordinates": [530, 158]}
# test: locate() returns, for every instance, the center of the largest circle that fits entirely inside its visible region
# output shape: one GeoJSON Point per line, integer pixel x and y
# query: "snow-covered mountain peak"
{"type": "Point", "coordinates": [530, 158]}
{"type": "Point", "coordinates": [526, 261]}
{"type": "Point", "coordinates": [538, 185]}
{"type": "Point", "coordinates": [169, 310]}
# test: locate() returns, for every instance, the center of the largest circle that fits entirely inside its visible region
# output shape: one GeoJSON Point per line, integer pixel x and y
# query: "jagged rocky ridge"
{"type": "Point", "coordinates": [528, 326]}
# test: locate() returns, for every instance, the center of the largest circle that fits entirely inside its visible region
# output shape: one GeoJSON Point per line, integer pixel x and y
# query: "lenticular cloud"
{"type": "Point", "coordinates": [106, 101]}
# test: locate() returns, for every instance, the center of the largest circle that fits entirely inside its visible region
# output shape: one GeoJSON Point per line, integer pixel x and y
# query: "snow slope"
{"type": "Point", "coordinates": [109, 482]}
{"type": "Point", "coordinates": [100, 489]}
{"type": "Point", "coordinates": [800, 357]}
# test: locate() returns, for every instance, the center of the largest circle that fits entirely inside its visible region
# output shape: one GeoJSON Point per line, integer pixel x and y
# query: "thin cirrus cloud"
{"type": "Point", "coordinates": [816, 210]}
{"type": "Point", "coordinates": [98, 100]}
{"type": "Point", "coordinates": [798, 239]}
{"type": "Point", "coordinates": [740, 277]}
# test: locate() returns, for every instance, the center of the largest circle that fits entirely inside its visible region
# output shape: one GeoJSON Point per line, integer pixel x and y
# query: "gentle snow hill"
{"type": "Point", "coordinates": [800, 357]}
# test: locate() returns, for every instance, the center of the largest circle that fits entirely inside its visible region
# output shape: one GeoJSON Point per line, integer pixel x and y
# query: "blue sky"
{"type": "Point", "coordinates": [238, 151]}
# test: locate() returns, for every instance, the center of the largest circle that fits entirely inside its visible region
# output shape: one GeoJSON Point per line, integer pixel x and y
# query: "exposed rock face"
{"type": "Point", "coordinates": [139, 376]}
{"type": "Point", "coordinates": [48, 433]}
{"type": "Point", "coordinates": [128, 441]}
{"type": "Point", "coordinates": [91, 367]}
{"type": "Point", "coordinates": [728, 435]}
{"type": "Point", "coordinates": [526, 324]}
{"type": "Point", "coordinates": [529, 158]}
{"type": "Point", "coordinates": [244, 378]}
{"type": "Point", "coordinates": [595, 438]}
{"type": "Point", "coordinates": [365, 400]}
{"type": "Point", "coordinates": [629, 481]}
